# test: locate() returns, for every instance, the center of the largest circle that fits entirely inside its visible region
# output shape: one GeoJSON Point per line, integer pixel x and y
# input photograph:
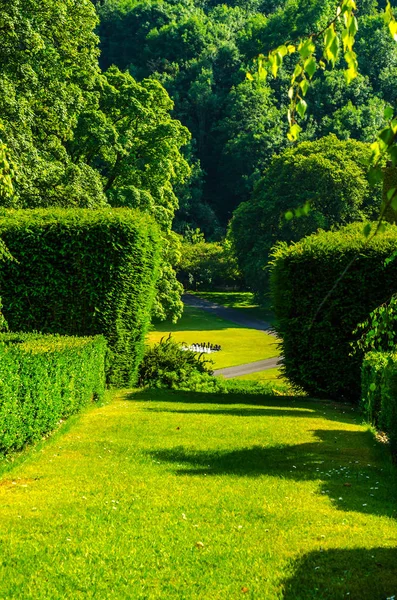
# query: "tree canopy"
{"type": "Point", "coordinates": [201, 52]}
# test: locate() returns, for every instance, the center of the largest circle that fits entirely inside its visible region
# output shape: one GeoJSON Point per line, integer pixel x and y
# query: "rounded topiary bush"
{"type": "Point", "coordinates": [322, 288]}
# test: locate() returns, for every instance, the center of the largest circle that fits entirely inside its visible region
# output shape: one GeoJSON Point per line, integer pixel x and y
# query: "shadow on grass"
{"type": "Point", "coordinates": [358, 574]}
{"type": "Point", "coordinates": [342, 462]}
{"type": "Point", "coordinates": [272, 405]}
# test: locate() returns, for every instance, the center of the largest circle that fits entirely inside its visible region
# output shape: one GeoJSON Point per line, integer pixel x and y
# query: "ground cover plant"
{"type": "Point", "coordinates": [43, 379]}
{"type": "Point", "coordinates": [202, 496]}
{"type": "Point", "coordinates": [239, 344]}
{"type": "Point", "coordinates": [83, 272]}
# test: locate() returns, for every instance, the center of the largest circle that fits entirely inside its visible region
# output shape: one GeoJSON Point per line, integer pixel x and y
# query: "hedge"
{"type": "Point", "coordinates": [316, 341]}
{"type": "Point", "coordinates": [44, 379]}
{"type": "Point", "coordinates": [82, 273]}
{"type": "Point", "coordinates": [379, 393]}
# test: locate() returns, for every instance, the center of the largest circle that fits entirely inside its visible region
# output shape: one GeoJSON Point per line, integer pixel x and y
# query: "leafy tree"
{"type": "Point", "coordinates": [79, 137]}
{"type": "Point", "coordinates": [325, 180]}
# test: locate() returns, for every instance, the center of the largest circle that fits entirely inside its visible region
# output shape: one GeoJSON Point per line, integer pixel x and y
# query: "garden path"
{"type": "Point", "coordinates": [235, 316]}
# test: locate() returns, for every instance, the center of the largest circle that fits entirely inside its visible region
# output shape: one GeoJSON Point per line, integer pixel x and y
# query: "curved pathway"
{"type": "Point", "coordinates": [235, 316]}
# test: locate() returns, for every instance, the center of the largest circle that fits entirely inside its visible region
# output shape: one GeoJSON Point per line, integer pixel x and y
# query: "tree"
{"type": "Point", "coordinates": [325, 180]}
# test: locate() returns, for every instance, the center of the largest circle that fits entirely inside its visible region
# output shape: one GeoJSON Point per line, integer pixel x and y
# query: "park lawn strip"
{"type": "Point", "coordinates": [268, 375]}
{"type": "Point", "coordinates": [180, 495]}
{"type": "Point", "coordinates": [239, 345]}
{"type": "Point", "coordinates": [242, 301]}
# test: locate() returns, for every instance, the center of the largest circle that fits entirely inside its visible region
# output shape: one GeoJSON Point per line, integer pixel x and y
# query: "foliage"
{"type": "Point", "coordinates": [201, 52]}
{"type": "Point", "coordinates": [324, 181]}
{"type": "Point", "coordinates": [379, 330]}
{"type": "Point", "coordinates": [323, 287]}
{"type": "Point", "coordinates": [167, 365]}
{"type": "Point", "coordinates": [208, 266]}
{"type": "Point", "coordinates": [83, 272]}
{"type": "Point", "coordinates": [44, 379]}
{"type": "Point", "coordinates": [379, 393]}
{"type": "Point", "coordinates": [73, 136]}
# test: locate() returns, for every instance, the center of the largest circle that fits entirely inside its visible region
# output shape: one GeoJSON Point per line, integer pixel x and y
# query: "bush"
{"type": "Point", "coordinates": [208, 266]}
{"type": "Point", "coordinates": [379, 393]}
{"type": "Point", "coordinates": [167, 365]}
{"type": "Point", "coordinates": [327, 176]}
{"type": "Point", "coordinates": [82, 272]}
{"type": "Point", "coordinates": [44, 379]}
{"type": "Point", "coordinates": [317, 310]}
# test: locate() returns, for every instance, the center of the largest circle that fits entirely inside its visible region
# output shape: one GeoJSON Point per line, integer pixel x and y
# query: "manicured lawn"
{"type": "Point", "coordinates": [190, 496]}
{"type": "Point", "coordinates": [243, 301]}
{"type": "Point", "coordinates": [269, 375]}
{"type": "Point", "coordinates": [239, 345]}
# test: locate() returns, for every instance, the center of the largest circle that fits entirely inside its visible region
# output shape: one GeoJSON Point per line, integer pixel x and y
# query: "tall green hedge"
{"type": "Point", "coordinates": [44, 379]}
{"type": "Point", "coordinates": [379, 393]}
{"type": "Point", "coordinates": [82, 272]}
{"type": "Point", "coordinates": [316, 343]}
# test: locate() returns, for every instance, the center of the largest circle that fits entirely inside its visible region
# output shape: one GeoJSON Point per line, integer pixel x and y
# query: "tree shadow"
{"type": "Point", "coordinates": [247, 412]}
{"type": "Point", "coordinates": [357, 574]}
{"type": "Point", "coordinates": [341, 461]}
{"type": "Point", "coordinates": [282, 405]}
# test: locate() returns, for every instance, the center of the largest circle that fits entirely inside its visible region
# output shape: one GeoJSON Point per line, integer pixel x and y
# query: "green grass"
{"type": "Point", "coordinates": [239, 345]}
{"type": "Point", "coordinates": [268, 375]}
{"type": "Point", "coordinates": [190, 496]}
{"type": "Point", "coordinates": [243, 301]}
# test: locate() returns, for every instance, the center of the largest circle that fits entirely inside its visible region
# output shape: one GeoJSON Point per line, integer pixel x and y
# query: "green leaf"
{"type": "Point", "coordinates": [301, 107]}
{"type": "Point", "coordinates": [310, 66]}
{"type": "Point", "coordinates": [388, 113]}
{"type": "Point", "coordinates": [367, 230]}
{"type": "Point", "coordinates": [289, 215]}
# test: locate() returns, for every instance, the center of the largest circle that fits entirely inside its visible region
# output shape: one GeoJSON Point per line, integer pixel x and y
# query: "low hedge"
{"type": "Point", "coordinates": [82, 273]}
{"type": "Point", "coordinates": [379, 393]}
{"type": "Point", "coordinates": [44, 379]}
{"type": "Point", "coordinates": [317, 310]}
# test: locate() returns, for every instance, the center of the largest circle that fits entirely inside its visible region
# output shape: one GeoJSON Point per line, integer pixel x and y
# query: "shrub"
{"type": "Point", "coordinates": [317, 308]}
{"type": "Point", "coordinates": [379, 393]}
{"type": "Point", "coordinates": [167, 365]}
{"type": "Point", "coordinates": [44, 379]}
{"type": "Point", "coordinates": [208, 266]}
{"type": "Point", "coordinates": [82, 272]}
{"type": "Point", "coordinates": [327, 176]}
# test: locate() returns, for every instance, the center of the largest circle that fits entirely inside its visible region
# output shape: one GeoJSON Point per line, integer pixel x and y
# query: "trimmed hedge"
{"type": "Point", "coordinates": [379, 393]}
{"type": "Point", "coordinates": [83, 273]}
{"type": "Point", "coordinates": [44, 379]}
{"type": "Point", "coordinates": [316, 343]}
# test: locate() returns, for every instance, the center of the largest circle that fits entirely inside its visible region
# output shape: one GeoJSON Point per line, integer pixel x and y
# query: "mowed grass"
{"type": "Point", "coordinates": [239, 345]}
{"type": "Point", "coordinates": [268, 375]}
{"type": "Point", "coordinates": [192, 496]}
{"type": "Point", "coordinates": [242, 301]}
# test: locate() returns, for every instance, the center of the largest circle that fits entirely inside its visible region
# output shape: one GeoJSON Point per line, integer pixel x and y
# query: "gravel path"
{"type": "Point", "coordinates": [235, 316]}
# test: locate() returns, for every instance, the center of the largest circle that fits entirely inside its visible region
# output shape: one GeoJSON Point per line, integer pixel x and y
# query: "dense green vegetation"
{"type": "Point", "coordinates": [378, 395]}
{"type": "Point", "coordinates": [183, 495]}
{"type": "Point", "coordinates": [44, 379]}
{"type": "Point", "coordinates": [201, 51]}
{"type": "Point", "coordinates": [313, 185]}
{"type": "Point", "coordinates": [78, 137]}
{"type": "Point", "coordinates": [323, 286]}
{"type": "Point", "coordinates": [83, 272]}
